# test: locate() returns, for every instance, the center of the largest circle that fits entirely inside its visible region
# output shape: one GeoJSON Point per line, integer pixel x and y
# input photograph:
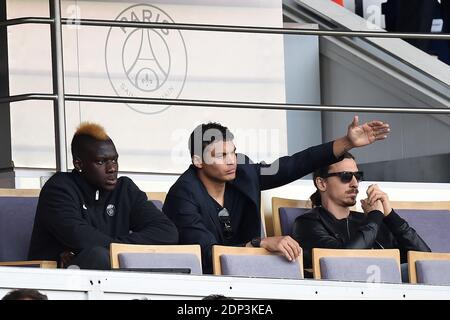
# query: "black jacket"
{"type": "Point", "coordinates": [68, 217]}
{"type": "Point", "coordinates": [318, 228]}
{"type": "Point", "coordinates": [190, 207]}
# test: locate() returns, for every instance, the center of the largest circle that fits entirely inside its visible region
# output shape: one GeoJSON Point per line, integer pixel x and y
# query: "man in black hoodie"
{"type": "Point", "coordinates": [331, 224]}
{"type": "Point", "coordinates": [81, 213]}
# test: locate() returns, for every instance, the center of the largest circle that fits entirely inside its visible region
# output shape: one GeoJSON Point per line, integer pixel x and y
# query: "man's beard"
{"type": "Point", "coordinates": [350, 202]}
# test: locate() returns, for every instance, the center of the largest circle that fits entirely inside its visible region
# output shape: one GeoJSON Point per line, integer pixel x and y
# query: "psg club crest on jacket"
{"type": "Point", "coordinates": [111, 210]}
{"type": "Point", "coordinates": [146, 62]}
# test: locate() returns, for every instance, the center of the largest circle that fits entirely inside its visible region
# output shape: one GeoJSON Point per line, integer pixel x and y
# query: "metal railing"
{"type": "Point", "coordinates": [58, 86]}
{"type": "Point", "coordinates": [227, 104]}
{"type": "Point", "coordinates": [59, 97]}
{"type": "Point", "coordinates": [228, 28]}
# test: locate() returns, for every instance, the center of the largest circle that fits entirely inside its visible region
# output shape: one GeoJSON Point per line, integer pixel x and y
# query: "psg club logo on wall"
{"type": "Point", "coordinates": [148, 63]}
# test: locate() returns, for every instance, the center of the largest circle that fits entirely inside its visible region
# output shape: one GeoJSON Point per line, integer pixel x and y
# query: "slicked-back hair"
{"type": "Point", "coordinates": [316, 198]}
{"type": "Point", "coordinates": [206, 134]}
{"type": "Point", "coordinates": [87, 133]}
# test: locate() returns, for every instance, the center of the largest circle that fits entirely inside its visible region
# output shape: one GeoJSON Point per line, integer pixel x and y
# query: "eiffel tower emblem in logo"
{"type": "Point", "coordinates": [146, 72]}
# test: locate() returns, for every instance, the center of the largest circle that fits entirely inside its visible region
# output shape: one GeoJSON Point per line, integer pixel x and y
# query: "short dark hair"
{"type": "Point", "coordinates": [205, 134]}
{"type": "Point", "coordinates": [316, 199]}
{"type": "Point", "coordinates": [24, 294]}
{"type": "Point", "coordinates": [87, 133]}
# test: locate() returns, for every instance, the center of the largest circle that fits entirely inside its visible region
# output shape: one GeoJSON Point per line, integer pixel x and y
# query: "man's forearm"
{"type": "Point", "coordinates": [341, 145]}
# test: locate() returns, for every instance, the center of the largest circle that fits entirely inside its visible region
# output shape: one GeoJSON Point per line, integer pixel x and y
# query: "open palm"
{"type": "Point", "coordinates": [367, 133]}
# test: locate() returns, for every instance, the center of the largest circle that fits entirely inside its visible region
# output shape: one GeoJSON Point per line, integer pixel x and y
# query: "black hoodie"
{"type": "Point", "coordinates": [73, 215]}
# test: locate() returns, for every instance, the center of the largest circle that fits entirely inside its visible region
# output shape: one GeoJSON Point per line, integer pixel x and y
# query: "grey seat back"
{"type": "Point", "coordinates": [433, 272]}
{"type": "Point", "coordinates": [147, 260]}
{"type": "Point", "coordinates": [360, 269]}
{"type": "Point", "coordinates": [260, 266]}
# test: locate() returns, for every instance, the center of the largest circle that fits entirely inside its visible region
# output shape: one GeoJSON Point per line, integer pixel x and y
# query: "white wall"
{"type": "Point", "coordinates": [197, 64]}
{"type": "Point", "coordinates": [383, 72]}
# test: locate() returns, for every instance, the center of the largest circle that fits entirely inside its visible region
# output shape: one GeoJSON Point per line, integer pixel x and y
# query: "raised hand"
{"type": "Point", "coordinates": [367, 133]}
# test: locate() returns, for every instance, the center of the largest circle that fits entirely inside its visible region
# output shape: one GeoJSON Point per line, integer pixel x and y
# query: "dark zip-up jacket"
{"type": "Point", "coordinates": [73, 215]}
{"type": "Point", "coordinates": [189, 205]}
{"type": "Point", "coordinates": [318, 228]}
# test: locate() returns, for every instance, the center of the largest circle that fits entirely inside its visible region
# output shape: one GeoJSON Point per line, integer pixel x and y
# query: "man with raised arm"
{"type": "Point", "coordinates": [217, 200]}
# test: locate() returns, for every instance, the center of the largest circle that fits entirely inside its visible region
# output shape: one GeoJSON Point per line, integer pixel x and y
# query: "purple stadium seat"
{"type": "Point", "coordinates": [433, 272]}
{"type": "Point", "coordinates": [432, 225]}
{"type": "Point", "coordinates": [287, 218]}
{"type": "Point", "coordinates": [16, 224]}
{"type": "Point", "coordinates": [261, 266]}
{"type": "Point", "coordinates": [360, 269]}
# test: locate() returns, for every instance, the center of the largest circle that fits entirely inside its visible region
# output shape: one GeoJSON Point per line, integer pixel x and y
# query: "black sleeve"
{"type": "Point", "coordinates": [290, 168]}
{"type": "Point", "coordinates": [192, 230]}
{"type": "Point", "coordinates": [406, 237]}
{"type": "Point", "coordinates": [311, 233]}
{"type": "Point", "coordinates": [147, 223]}
{"type": "Point", "coordinates": [62, 217]}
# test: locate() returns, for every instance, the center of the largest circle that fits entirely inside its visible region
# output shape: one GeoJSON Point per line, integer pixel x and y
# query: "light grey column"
{"type": "Point", "coordinates": [302, 74]}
